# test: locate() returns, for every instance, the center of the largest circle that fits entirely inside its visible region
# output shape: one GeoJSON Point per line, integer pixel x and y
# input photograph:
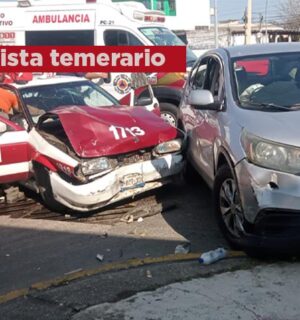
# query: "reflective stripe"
{"type": "Point", "coordinates": [13, 137]}
{"type": "Point", "coordinates": [14, 168]}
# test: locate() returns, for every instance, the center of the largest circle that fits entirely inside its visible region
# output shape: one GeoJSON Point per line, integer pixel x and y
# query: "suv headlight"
{"type": "Point", "coordinates": [168, 146]}
{"type": "Point", "coordinates": [90, 167]}
{"type": "Point", "coordinates": [270, 154]}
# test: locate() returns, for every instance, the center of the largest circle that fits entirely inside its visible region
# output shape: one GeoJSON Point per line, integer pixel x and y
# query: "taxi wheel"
{"type": "Point", "coordinates": [45, 190]}
{"type": "Point", "coordinates": [169, 112]}
{"type": "Point", "coordinates": [227, 207]}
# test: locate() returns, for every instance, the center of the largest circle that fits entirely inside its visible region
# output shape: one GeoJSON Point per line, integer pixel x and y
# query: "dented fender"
{"type": "Point", "coordinates": [262, 188]}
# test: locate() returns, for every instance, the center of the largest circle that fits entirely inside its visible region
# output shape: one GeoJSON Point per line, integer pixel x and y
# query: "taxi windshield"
{"type": "Point", "coordinates": [161, 36]}
{"type": "Point", "coordinates": [40, 99]}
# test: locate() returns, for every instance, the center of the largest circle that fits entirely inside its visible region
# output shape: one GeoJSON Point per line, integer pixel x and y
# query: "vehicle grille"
{"type": "Point", "coordinates": [127, 159]}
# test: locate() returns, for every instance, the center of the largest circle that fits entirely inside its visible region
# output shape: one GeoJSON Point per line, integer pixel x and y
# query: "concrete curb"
{"type": "Point", "coordinates": [115, 266]}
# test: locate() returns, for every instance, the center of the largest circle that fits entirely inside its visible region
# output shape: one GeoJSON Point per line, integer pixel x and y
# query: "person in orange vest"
{"type": "Point", "coordinates": [8, 100]}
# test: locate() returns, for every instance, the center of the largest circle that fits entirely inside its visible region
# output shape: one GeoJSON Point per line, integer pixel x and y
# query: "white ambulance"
{"type": "Point", "coordinates": [92, 22]}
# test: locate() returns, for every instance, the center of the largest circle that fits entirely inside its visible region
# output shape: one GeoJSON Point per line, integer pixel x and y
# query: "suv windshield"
{"type": "Point", "coordinates": [268, 81]}
{"type": "Point", "coordinates": [164, 37]}
{"type": "Point", "coordinates": [44, 98]}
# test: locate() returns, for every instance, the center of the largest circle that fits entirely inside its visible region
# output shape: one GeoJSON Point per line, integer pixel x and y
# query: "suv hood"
{"type": "Point", "coordinates": [104, 131]}
{"type": "Point", "coordinates": [281, 127]}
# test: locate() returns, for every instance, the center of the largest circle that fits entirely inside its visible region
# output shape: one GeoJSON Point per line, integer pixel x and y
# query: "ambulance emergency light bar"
{"type": "Point", "coordinates": [24, 3]}
{"type": "Point", "coordinates": [137, 11]}
{"type": "Point", "coordinates": [27, 3]}
{"type": "Point", "coordinates": [150, 16]}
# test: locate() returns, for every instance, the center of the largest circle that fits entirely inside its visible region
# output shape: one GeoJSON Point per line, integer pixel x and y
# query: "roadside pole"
{"type": "Point", "coordinates": [249, 23]}
{"type": "Point", "coordinates": [216, 23]}
{"type": "Point", "coordinates": [266, 23]}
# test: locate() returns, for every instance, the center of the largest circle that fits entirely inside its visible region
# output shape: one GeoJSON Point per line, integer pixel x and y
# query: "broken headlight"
{"type": "Point", "coordinates": [271, 155]}
{"type": "Point", "coordinates": [168, 146]}
{"type": "Point", "coordinates": [94, 166]}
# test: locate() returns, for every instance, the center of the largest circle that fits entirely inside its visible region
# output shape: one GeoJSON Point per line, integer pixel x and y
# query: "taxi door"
{"type": "Point", "coordinates": [15, 152]}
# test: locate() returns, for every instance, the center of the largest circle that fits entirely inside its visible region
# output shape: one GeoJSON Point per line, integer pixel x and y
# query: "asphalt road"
{"type": "Point", "coordinates": [34, 251]}
{"type": "Point", "coordinates": [37, 250]}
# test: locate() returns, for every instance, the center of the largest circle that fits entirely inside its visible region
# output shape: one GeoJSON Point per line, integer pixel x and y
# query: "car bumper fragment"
{"type": "Point", "coordinates": [109, 188]}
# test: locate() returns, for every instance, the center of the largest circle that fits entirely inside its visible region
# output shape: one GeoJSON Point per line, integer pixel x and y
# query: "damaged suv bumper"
{"type": "Point", "coordinates": [263, 190]}
{"type": "Point", "coordinates": [121, 183]}
{"type": "Point", "coordinates": [271, 204]}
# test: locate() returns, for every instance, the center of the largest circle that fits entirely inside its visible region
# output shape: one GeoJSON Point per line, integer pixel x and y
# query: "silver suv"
{"type": "Point", "coordinates": [241, 111]}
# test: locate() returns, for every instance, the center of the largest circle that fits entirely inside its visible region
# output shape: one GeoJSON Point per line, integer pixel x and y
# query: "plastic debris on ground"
{"type": "Point", "coordinates": [100, 257]}
{"type": "Point", "coordinates": [148, 274]}
{"type": "Point", "coordinates": [213, 256]}
{"type": "Point", "coordinates": [183, 248]}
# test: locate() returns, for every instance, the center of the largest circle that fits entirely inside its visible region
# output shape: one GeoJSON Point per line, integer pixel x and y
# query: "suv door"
{"type": "Point", "coordinates": [209, 128]}
{"type": "Point", "coordinates": [203, 124]}
{"type": "Point", "coordinates": [15, 152]}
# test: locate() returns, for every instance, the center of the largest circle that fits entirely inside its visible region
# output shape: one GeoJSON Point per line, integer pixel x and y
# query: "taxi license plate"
{"type": "Point", "coordinates": [133, 180]}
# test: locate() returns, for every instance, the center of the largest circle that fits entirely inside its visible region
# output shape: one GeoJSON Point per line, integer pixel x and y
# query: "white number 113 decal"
{"type": "Point", "coordinates": [123, 132]}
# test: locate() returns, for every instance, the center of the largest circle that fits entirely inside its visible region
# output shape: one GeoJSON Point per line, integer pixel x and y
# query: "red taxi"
{"type": "Point", "coordinates": [76, 146]}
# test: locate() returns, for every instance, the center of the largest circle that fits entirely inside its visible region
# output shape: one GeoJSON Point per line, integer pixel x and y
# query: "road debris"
{"type": "Point", "coordinates": [100, 257]}
{"type": "Point", "coordinates": [213, 256]}
{"type": "Point", "coordinates": [73, 271]}
{"type": "Point", "coordinates": [128, 218]}
{"type": "Point", "coordinates": [13, 194]}
{"type": "Point", "coordinates": [104, 235]}
{"type": "Point", "coordinates": [183, 248]}
{"type": "Point", "coordinates": [31, 207]}
{"type": "Point", "coordinates": [148, 274]}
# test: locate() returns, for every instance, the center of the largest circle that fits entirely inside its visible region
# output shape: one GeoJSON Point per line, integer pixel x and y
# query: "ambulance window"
{"type": "Point", "coordinates": [120, 38]}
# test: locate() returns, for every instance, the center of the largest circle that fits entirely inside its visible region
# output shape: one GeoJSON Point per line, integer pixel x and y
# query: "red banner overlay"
{"type": "Point", "coordinates": [92, 59]}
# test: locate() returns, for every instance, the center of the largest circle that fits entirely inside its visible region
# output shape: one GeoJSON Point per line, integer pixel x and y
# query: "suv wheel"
{"type": "Point", "coordinates": [169, 112]}
{"type": "Point", "coordinates": [227, 206]}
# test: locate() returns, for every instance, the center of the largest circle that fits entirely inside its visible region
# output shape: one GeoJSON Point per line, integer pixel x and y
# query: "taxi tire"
{"type": "Point", "coordinates": [45, 190]}
{"type": "Point", "coordinates": [169, 110]}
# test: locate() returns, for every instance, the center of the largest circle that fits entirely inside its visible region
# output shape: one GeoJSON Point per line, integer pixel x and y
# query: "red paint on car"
{"type": "Point", "coordinates": [104, 131]}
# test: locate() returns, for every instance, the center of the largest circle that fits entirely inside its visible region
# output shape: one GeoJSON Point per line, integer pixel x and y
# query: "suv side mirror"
{"type": "Point", "coordinates": [202, 100]}
{"type": "Point", "coordinates": [3, 127]}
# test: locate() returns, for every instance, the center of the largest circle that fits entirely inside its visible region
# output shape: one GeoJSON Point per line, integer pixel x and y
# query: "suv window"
{"type": "Point", "coordinates": [214, 80]}
{"type": "Point", "coordinates": [198, 74]}
{"type": "Point", "coordinates": [208, 75]}
{"type": "Point", "coordinates": [120, 38]}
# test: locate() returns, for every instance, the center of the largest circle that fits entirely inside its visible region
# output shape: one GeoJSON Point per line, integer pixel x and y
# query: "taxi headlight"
{"type": "Point", "coordinates": [94, 166]}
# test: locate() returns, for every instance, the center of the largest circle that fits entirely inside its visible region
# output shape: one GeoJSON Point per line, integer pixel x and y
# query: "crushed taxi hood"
{"type": "Point", "coordinates": [95, 132]}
